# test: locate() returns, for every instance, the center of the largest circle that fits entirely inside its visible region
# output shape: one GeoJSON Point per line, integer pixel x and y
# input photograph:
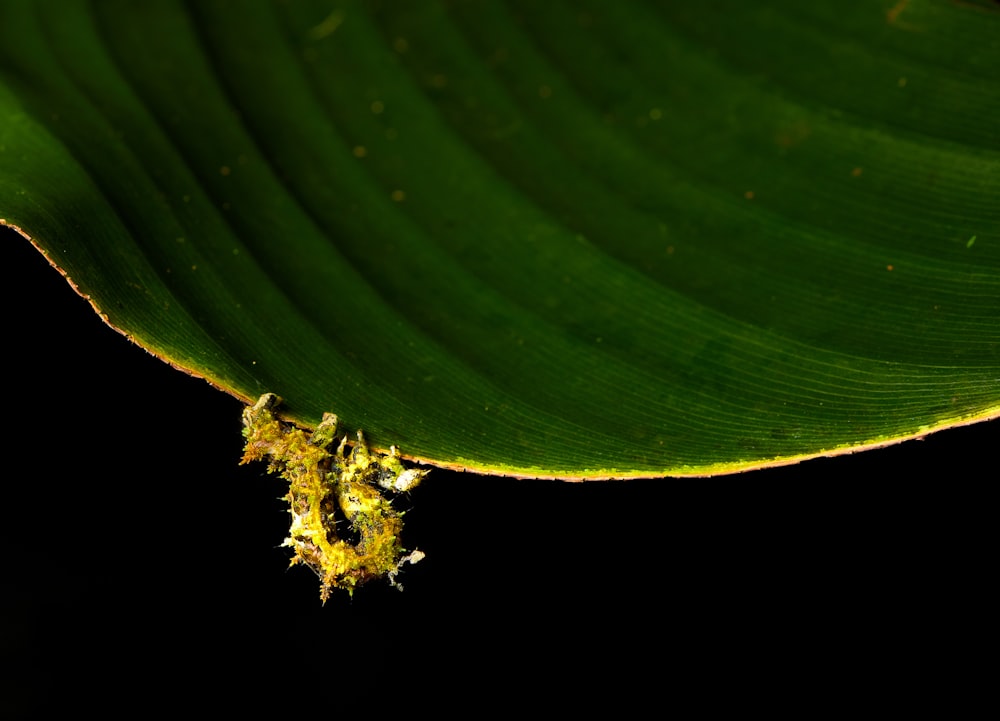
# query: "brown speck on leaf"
{"type": "Point", "coordinates": [892, 14]}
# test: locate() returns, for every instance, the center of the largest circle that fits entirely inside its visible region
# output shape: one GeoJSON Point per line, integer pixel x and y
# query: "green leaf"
{"type": "Point", "coordinates": [557, 239]}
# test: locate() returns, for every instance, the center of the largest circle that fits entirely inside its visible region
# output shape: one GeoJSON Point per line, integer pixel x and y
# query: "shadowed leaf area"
{"type": "Point", "coordinates": [560, 239]}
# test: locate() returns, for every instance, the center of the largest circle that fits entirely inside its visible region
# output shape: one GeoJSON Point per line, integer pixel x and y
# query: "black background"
{"type": "Point", "coordinates": [137, 554]}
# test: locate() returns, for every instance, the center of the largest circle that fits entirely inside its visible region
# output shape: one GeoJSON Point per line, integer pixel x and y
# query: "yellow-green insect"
{"type": "Point", "coordinates": [324, 486]}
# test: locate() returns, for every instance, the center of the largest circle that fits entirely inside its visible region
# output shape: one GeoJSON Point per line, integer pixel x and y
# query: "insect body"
{"type": "Point", "coordinates": [324, 486]}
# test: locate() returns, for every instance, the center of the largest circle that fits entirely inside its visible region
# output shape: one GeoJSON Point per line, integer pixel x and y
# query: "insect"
{"type": "Point", "coordinates": [325, 486]}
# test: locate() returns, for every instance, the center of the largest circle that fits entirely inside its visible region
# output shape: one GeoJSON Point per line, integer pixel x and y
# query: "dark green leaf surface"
{"type": "Point", "coordinates": [581, 239]}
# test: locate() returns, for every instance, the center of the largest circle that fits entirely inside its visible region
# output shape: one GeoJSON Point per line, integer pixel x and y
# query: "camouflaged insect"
{"type": "Point", "coordinates": [324, 486]}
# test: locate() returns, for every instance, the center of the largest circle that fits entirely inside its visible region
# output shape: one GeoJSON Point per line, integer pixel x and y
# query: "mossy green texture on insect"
{"type": "Point", "coordinates": [325, 486]}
